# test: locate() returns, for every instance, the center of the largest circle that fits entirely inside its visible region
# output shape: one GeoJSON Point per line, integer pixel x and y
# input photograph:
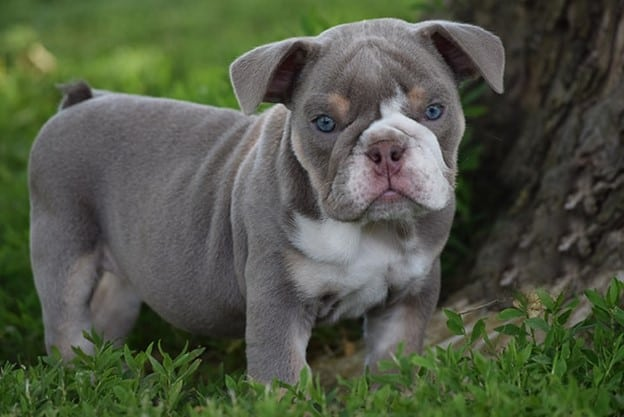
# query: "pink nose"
{"type": "Point", "coordinates": [387, 157]}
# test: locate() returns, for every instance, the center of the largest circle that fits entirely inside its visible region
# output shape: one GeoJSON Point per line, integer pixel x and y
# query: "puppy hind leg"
{"type": "Point", "coordinates": [64, 293]}
{"type": "Point", "coordinates": [64, 256]}
{"type": "Point", "coordinates": [114, 308]}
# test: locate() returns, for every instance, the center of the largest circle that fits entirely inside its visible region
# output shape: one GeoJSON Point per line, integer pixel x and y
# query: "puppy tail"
{"type": "Point", "coordinates": [74, 93]}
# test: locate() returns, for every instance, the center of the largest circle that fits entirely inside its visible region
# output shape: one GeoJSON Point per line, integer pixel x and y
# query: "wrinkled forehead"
{"type": "Point", "coordinates": [357, 76]}
{"type": "Point", "coordinates": [366, 69]}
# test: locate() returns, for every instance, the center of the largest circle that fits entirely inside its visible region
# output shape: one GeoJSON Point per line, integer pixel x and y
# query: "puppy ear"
{"type": "Point", "coordinates": [268, 73]}
{"type": "Point", "coordinates": [469, 50]}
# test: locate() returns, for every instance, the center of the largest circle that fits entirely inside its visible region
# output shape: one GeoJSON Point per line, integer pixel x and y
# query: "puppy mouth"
{"type": "Point", "coordinates": [388, 205]}
{"type": "Point", "coordinates": [389, 196]}
{"type": "Point", "coordinates": [393, 203]}
{"type": "Point", "coordinates": [372, 198]}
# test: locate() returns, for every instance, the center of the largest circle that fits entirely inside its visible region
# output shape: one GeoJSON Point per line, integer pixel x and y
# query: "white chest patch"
{"type": "Point", "coordinates": [354, 266]}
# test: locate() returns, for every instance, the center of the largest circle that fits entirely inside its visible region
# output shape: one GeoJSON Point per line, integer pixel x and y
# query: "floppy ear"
{"type": "Point", "coordinates": [268, 73]}
{"type": "Point", "coordinates": [469, 50]}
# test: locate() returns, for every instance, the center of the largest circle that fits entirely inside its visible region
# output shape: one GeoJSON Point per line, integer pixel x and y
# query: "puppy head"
{"type": "Point", "coordinates": [376, 117]}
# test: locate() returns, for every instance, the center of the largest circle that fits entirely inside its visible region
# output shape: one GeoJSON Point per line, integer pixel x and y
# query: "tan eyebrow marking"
{"type": "Point", "coordinates": [340, 104]}
{"type": "Point", "coordinates": [417, 97]}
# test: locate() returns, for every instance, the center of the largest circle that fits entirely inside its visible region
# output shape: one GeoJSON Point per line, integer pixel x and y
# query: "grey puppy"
{"type": "Point", "coordinates": [335, 203]}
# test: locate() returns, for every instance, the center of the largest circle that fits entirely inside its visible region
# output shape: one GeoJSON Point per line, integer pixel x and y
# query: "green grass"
{"type": "Point", "coordinates": [548, 368]}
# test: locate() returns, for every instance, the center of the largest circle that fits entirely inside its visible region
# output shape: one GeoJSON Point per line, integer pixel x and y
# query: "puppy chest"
{"type": "Point", "coordinates": [346, 269]}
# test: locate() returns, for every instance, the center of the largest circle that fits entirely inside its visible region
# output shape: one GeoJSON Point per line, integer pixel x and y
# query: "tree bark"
{"type": "Point", "coordinates": [555, 147]}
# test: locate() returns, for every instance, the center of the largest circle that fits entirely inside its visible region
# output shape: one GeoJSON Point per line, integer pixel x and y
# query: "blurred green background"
{"type": "Point", "coordinates": [179, 49]}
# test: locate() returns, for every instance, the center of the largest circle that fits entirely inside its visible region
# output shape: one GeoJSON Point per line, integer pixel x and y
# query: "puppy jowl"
{"type": "Point", "coordinates": [336, 202]}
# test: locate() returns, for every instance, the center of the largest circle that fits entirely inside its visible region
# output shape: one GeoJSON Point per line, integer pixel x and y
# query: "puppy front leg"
{"type": "Point", "coordinates": [402, 322]}
{"type": "Point", "coordinates": [277, 332]}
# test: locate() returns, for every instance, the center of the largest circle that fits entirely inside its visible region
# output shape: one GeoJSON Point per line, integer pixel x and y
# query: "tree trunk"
{"type": "Point", "coordinates": [555, 147]}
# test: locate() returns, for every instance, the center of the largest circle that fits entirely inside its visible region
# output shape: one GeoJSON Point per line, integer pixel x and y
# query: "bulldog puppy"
{"type": "Point", "coordinates": [335, 203]}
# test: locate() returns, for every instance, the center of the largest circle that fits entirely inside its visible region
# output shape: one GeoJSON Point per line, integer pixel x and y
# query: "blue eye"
{"type": "Point", "coordinates": [434, 111]}
{"type": "Point", "coordinates": [325, 124]}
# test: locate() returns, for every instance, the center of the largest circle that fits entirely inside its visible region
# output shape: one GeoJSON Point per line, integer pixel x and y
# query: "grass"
{"type": "Point", "coordinates": [547, 368]}
{"type": "Point", "coordinates": [182, 49]}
